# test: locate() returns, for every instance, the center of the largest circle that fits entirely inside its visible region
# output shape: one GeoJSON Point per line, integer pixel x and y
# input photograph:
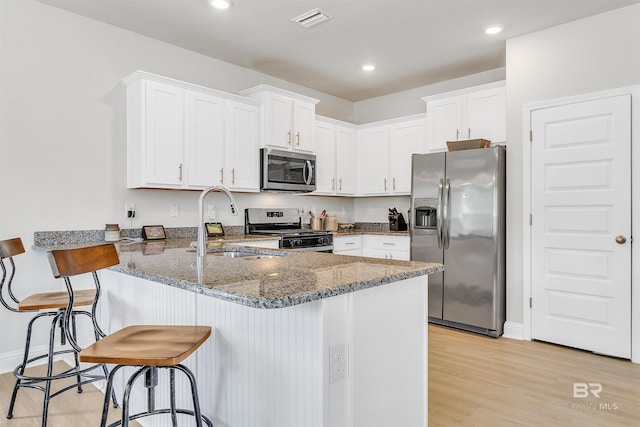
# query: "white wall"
{"type": "Point", "coordinates": [62, 133]}
{"type": "Point", "coordinates": [409, 102]}
{"type": "Point", "coordinates": [592, 54]}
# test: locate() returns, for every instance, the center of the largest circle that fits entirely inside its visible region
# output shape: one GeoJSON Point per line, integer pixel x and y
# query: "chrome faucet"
{"type": "Point", "coordinates": [202, 237]}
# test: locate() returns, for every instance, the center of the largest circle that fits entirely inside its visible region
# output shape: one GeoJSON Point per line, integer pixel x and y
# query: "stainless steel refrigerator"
{"type": "Point", "coordinates": [458, 219]}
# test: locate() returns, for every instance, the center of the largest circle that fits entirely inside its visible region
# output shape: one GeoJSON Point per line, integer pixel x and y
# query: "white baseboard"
{"type": "Point", "coordinates": [513, 330]}
{"type": "Point", "coordinates": [11, 359]}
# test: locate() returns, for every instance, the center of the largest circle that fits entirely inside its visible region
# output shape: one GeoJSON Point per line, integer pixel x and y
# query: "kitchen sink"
{"type": "Point", "coordinates": [243, 254]}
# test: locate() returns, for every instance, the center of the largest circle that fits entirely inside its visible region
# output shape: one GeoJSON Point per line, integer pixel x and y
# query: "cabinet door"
{"type": "Point", "coordinates": [325, 158]}
{"type": "Point", "coordinates": [444, 122]}
{"type": "Point", "coordinates": [405, 140]}
{"type": "Point", "coordinates": [204, 140]}
{"type": "Point", "coordinates": [346, 165]}
{"type": "Point", "coordinates": [486, 115]}
{"type": "Point", "coordinates": [164, 141]}
{"type": "Point", "coordinates": [373, 170]}
{"type": "Point", "coordinates": [279, 117]}
{"type": "Point", "coordinates": [242, 146]}
{"type": "Point", "coordinates": [304, 117]}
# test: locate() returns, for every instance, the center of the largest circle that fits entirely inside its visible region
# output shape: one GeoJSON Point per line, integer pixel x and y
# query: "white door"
{"type": "Point", "coordinates": [581, 225]}
{"type": "Point", "coordinates": [346, 152]}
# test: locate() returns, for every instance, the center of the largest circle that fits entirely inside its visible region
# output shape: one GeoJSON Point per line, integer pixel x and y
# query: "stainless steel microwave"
{"type": "Point", "coordinates": [287, 171]}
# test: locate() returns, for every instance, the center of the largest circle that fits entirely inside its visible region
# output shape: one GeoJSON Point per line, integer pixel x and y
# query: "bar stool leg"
{"type": "Point", "coordinates": [194, 394]}
{"type": "Point", "coordinates": [172, 397]}
{"type": "Point", "coordinates": [25, 360]}
{"type": "Point", "coordinates": [109, 391]}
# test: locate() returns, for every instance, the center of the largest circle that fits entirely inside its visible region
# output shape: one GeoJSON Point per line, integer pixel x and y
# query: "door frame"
{"type": "Point", "coordinates": [634, 91]}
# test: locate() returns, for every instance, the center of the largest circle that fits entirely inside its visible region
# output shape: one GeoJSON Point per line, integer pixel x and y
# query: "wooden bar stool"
{"type": "Point", "coordinates": [56, 304]}
{"type": "Point", "coordinates": [149, 347]}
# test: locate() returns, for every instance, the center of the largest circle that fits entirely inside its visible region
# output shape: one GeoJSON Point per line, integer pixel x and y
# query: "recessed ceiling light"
{"type": "Point", "coordinates": [495, 29]}
{"type": "Point", "coordinates": [220, 4]}
{"type": "Point", "coordinates": [368, 67]}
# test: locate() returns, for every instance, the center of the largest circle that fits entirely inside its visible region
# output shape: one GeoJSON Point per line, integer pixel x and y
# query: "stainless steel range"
{"type": "Point", "coordinates": [285, 223]}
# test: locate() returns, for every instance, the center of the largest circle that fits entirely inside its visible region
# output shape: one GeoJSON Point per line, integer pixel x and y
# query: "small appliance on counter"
{"type": "Point", "coordinates": [396, 220]}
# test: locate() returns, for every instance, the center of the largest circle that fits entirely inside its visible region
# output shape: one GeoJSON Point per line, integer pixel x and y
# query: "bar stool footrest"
{"type": "Point", "coordinates": [206, 420]}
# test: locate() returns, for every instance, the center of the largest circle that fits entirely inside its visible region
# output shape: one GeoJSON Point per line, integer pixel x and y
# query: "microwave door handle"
{"type": "Point", "coordinates": [307, 178]}
{"type": "Point", "coordinates": [439, 215]}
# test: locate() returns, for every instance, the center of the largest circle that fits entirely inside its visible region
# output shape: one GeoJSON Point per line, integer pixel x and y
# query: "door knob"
{"type": "Point", "coordinates": [621, 240]}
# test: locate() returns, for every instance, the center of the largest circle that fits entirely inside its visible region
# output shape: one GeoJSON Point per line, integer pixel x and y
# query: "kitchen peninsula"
{"type": "Point", "coordinates": [299, 339]}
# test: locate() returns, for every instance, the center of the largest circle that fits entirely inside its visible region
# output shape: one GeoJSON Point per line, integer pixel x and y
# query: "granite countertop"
{"type": "Point", "coordinates": [260, 281]}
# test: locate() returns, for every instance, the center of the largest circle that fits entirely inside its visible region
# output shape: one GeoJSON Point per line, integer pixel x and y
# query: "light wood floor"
{"type": "Point", "coordinates": [480, 381]}
{"type": "Point", "coordinates": [473, 381]}
{"type": "Point", "coordinates": [69, 409]}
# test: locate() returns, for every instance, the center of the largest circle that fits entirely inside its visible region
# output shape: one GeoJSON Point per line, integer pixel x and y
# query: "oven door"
{"type": "Point", "coordinates": [287, 171]}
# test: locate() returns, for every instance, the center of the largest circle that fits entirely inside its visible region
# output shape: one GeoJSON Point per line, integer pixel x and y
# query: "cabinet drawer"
{"type": "Point", "coordinates": [344, 243]}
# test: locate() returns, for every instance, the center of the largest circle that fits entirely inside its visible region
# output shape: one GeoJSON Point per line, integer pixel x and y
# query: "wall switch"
{"type": "Point", "coordinates": [338, 361]}
{"type": "Point", "coordinates": [174, 210]}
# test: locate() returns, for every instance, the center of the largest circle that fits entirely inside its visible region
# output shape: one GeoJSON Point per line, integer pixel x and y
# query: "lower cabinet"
{"type": "Point", "coordinates": [347, 245]}
{"type": "Point", "coordinates": [387, 247]}
{"type": "Point", "coordinates": [371, 245]}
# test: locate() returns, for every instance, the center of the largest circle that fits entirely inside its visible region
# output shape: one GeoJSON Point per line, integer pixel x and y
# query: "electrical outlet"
{"type": "Point", "coordinates": [338, 361]}
{"type": "Point", "coordinates": [129, 210]}
{"type": "Point", "coordinates": [174, 210]}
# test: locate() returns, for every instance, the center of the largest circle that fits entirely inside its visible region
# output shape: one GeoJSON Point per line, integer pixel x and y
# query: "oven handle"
{"type": "Point", "coordinates": [309, 177]}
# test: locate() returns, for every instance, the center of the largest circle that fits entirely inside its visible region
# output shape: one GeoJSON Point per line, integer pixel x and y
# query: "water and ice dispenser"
{"type": "Point", "coordinates": [425, 211]}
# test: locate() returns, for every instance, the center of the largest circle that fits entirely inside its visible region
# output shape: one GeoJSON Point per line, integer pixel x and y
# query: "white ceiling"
{"type": "Point", "coordinates": [412, 42]}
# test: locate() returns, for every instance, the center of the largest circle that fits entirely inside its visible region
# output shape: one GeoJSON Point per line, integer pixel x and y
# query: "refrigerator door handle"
{"type": "Point", "coordinates": [439, 215]}
{"type": "Point", "coordinates": [446, 214]}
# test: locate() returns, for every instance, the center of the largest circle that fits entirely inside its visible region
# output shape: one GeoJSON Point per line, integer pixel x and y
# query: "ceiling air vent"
{"type": "Point", "coordinates": [311, 18]}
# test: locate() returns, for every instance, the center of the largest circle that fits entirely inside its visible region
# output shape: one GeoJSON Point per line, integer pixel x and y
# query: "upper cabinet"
{"type": "Point", "coordinates": [385, 151]}
{"type": "Point", "coordinates": [288, 118]}
{"type": "Point", "coordinates": [477, 112]}
{"type": "Point", "coordinates": [335, 157]}
{"type": "Point", "coordinates": [184, 136]}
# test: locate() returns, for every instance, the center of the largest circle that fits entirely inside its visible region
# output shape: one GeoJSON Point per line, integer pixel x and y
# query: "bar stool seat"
{"type": "Point", "coordinates": [56, 300]}
{"type": "Point", "coordinates": [147, 347]}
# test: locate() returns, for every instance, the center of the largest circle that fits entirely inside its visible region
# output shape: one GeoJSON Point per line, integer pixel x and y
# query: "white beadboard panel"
{"type": "Point", "coordinates": [262, 367]}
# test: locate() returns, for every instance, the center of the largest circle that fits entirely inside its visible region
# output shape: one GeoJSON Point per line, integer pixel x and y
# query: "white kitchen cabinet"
{"type": "Point", "coordinates": [288, 118]}
{"type": "Point", "coordinates": [385, 152]}
{"type": "Point", "coordinates": [335, 157]}
{"type": "Point", "coordinates": [242, 146]}
{"type": "Point", "coordinates": [184, 136]}
{"type": "Point", "coordinates": [387, 247]}
{"type": "Point", "coordinates": [155, 131]}
{"type": "Point", "coordinates": [477, 112]}
{"type": "Point", "coordinates": [204, 155]}
{"type": "Point", "coordinates": [347, 245]}
{"type": "Point", "coordinates": [373, 152]}
{"type": "Point", "coordinates": [405, 138]}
